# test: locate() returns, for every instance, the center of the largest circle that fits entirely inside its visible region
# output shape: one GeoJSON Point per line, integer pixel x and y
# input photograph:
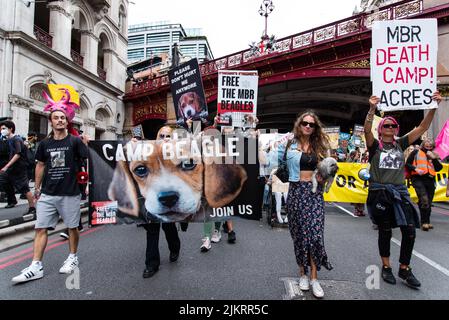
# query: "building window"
{"type": "Point", "coordinates": [158, 38]}
{"type": "Point", "coordinates": [136, 54]}
{"type": "Point", "coordinates": [136, 40]}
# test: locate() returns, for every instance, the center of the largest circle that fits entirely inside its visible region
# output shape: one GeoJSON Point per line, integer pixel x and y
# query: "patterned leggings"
{"type": "Point", "coordinates": [305, 212]}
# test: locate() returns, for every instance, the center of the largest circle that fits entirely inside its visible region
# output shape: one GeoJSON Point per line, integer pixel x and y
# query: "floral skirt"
{"type": "Point", "coordinates": [305, 212]}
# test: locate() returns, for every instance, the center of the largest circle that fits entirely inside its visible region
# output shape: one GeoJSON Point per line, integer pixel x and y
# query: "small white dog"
{"type": "Point", "coordinates": [327, 169]}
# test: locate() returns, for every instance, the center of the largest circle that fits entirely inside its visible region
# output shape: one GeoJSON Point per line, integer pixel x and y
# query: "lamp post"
{"type": "Point", "coordinates": [264, 12]}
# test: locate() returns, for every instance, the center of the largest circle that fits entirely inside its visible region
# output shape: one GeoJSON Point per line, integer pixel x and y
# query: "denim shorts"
{"type": "Point", "coordinates": [50, 208]}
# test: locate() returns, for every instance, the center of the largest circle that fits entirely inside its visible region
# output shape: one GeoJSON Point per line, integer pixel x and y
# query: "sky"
{"type": "Point", "coordinates": [231, 25]}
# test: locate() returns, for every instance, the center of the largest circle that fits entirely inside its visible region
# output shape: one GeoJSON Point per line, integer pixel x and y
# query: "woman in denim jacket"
{"type": "Point", "coordinates": [305, 210]}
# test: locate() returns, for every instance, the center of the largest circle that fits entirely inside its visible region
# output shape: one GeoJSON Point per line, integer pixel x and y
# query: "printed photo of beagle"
{"type": "Point", "coordinates": [173, 189]}
{"type": "Point", "coordinates": [190, 106]}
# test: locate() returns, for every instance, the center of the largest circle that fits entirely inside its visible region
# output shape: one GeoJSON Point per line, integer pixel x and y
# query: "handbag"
{"type": "Point", "coordinates": [282, 171]}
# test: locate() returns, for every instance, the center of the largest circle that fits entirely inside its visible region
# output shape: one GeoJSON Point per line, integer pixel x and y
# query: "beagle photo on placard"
{"type": "Point", "coordinates": [191, 106]}
{"type": "Point", "coordinates": [174, 189]}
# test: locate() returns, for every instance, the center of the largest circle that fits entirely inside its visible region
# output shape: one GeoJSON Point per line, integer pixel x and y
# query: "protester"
{"type": "Point", "coordinates": [8, 194]}
{"type": "Point", "coordinates": [15, 171]}
{"type": "Point", "coordinates": [58, 159]}
{"type": "Point", "coordinates": [359, 208]}
{"type": "Point", "coordinates": [83, 189]}
{"type": "Point", "coordinates": [305, 210]}
{"type": "Point", "coordinates": [280, 190]}
{"type": "Point", "coordinates": [389, 202]}
{"type": "Point", "coordinates": [152, 261]}
{"type": "Point", "coordinates": [211, 230]}
{"type": "Point", "coordinates": [423, 165]}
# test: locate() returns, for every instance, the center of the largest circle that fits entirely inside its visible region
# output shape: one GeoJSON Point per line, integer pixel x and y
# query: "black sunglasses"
{"type": "Point", "coordinates": [390, 126]}
{"type": "Point", "coordinates": [310, 124]}
{"type": "Point", "coordinates": [163, 136]}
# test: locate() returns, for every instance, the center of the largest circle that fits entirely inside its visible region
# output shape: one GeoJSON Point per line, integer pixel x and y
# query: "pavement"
{"type": "Point", "coordinates": [259, 266]}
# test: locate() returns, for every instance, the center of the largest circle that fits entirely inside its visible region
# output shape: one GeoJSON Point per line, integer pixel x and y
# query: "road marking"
{"type": "Point", "coordinates": [53, 246]}
{"type": "Point", "coordinates": [345, 210]}
{"type": "Point", "coordinates": [22, 252]}
{"type": "Point", "coordinates": [425, 259]}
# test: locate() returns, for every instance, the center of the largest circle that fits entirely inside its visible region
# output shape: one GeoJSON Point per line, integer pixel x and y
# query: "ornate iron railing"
{"type": "Point", "coordinates": [327, 33]}
{"type": "Point", "coordinates": [77, 58]}
{"type": "Point", "coordinates": [43, 37]}
{"type": "Point", "coordinates": [101, 73]}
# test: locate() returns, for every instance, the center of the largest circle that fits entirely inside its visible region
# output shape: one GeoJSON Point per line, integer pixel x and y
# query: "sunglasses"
{"type": "Point", "coordinates": [163, 136]}
{"type": "Point", "coordinates": [390, 126]}
{"type": "Point", "coordinates": [310, 124]}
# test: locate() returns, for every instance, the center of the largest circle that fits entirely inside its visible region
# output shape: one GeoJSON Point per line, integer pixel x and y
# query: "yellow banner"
{"type": "Point", "coordinates": [57, 94]}
{"type": "Point", "coordinates": [348, 187]}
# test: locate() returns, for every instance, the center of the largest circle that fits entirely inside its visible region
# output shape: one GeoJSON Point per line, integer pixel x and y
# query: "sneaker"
{"type": "Point", "coordinates": [31, 210]}
{"type": "Point", "coordinates": [216, 236]}
{"type": "Point", "coordinates": [11, 205]}
{"type": "Point", "coordinates": [409, 278]}
{"type": "Point", "coordinates": [231, 237]}
{"type": "Point", "coordinates": [425, 227]}
{"type": "Point", "coordinates": [387, 275]}
{"type": "Point", "coordinates": [316, 289]}
{"type": "Point", "coordinates": [304, 283]}
{"type": "Point", "coordinates": [69, 265]}
{"type": "Point", "coordinates": [206, 245]}
{"type": "Point", "coordinates": [149, 272]}
{"type": "Point", "coordinates": [33, 272]}
{"type": "Point", "coordinates": [64, 235]}
{"type": "Point", "coordinates": [174, 256]}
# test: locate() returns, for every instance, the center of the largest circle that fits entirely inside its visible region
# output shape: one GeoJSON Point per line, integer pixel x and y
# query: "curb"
{"type": "Point", "coordinates": [26, 219]}
{"type": "Point", "coordinates": [26, 226]}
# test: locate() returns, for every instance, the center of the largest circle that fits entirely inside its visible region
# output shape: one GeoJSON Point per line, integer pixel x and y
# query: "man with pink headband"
{"type": "Point", "coordinates": [59, 157]}
{"type": "Point", "coordinates": [389, 204]}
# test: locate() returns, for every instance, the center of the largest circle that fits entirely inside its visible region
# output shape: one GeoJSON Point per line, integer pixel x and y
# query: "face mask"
{"type": "Point", "coordinates": [4, 132]}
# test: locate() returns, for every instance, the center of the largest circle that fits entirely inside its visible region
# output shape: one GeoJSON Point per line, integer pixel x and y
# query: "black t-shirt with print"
{"type": "Point", "coordinates": [388, 163]}
{"type": "Point", "coordinates": [62, 159]}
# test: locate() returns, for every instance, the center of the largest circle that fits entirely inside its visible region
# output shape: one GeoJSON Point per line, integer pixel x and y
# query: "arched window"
{"type": "Point", "coordinates": [36, 92]}
{"type": "Point", "coordinates": [42, 16]}
{"type": "Point", "coordinates": [78, 49]}
{"type": "Point", "coordinates": [102, 62]}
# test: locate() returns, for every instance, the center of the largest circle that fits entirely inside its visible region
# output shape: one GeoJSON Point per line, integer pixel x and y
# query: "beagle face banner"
{"type": "Point", "coordinates": [188, 92]}
{"type": "Point", "coordinates": [192, 180]}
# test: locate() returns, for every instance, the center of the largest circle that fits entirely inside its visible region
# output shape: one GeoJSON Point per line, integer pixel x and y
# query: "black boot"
{"type": "Point", "coordinates": [409, 278]}
{"type": "Point", "coordinates": [387, 275]}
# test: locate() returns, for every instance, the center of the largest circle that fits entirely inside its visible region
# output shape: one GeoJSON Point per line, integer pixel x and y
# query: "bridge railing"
{"type": "Point", "coordinates": [333, 31]}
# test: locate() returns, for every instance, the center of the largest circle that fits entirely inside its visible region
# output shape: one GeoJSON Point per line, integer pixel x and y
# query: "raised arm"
{"type": "Point", "coordinates": [416, 133]}
{"type": "Point", "coordinates": [369, 137]}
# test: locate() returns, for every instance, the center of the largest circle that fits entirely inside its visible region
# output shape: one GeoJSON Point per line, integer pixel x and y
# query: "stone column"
{"type": "Point", "coordinates": [20, 113]}
{"type": "Point", "coordinates": [109, 64]}
{"type": "Point", "coordinates": [60, 27]}
{"type": "Point", "coordinates": [111, 133]}
{"type": "Point", "coordinates": [89, 128]}
{"type": "Point", "coordinates": [89, 50]}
